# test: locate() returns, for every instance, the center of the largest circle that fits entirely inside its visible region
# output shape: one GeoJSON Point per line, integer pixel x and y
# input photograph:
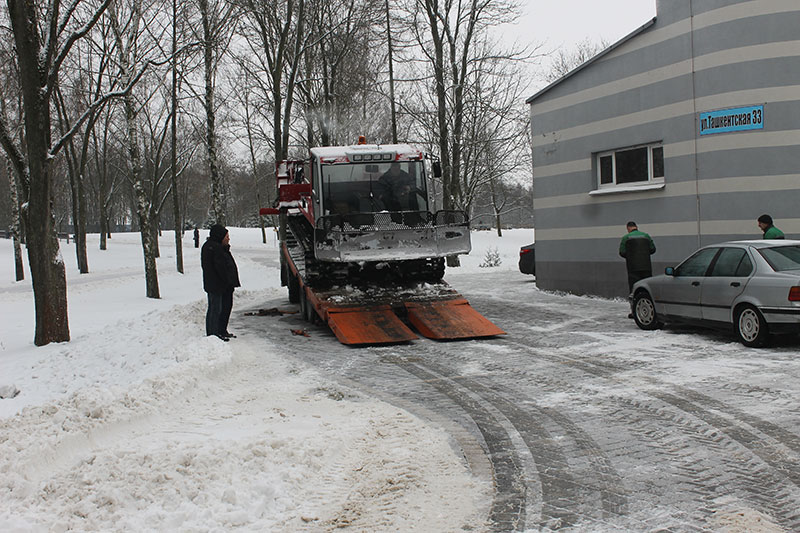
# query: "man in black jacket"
{"type": "Point", "coordinates": [220, 277]}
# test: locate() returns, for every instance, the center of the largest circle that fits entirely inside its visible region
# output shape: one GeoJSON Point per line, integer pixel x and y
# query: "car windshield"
{"type": "Point", "coordinates": [371, 187]}
{"type": "Point", "coordinates": [782, 258]}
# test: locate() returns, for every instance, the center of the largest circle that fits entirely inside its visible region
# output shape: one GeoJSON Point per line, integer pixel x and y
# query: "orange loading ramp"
{"type": "Point", "coordinates": [440, 320]}
{"type": "Point", "coordinates": [371, 325]}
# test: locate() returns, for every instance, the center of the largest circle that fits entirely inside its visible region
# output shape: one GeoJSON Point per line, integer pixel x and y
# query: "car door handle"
{"type": "Point", "coordinates": [735, 283]}
{"type": "Point", "coordinates": [695, 284]}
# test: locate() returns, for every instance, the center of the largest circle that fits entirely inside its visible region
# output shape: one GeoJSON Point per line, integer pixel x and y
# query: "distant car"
{"type": "Point", "coordinates": [751, 286]}
{"type": "Point", "coordinates": [527, 260]}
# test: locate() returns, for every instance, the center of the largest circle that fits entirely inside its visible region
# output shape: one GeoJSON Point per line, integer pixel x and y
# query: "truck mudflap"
{"type": "Point", "coordinates": [450, 319]}
{"type": "Point", "coordinates": [368, 325]}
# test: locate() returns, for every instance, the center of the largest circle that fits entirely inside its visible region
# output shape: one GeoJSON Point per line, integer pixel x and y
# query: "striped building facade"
{"type": "Point", "coordinates": [689, 126]}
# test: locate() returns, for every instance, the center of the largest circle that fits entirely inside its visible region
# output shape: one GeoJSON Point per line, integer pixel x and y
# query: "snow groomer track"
{"type": "Point", "coordinates": [581, 422]}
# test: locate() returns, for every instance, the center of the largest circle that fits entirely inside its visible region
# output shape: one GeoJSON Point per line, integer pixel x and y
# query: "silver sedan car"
{"type": "Point", "coordinates": [753, 286]}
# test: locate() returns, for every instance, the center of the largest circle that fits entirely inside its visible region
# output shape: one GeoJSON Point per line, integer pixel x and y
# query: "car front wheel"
{"type": "Point", "coordinates": [644, 311]}
{"type": "Point", "coordinates": [751, 327]}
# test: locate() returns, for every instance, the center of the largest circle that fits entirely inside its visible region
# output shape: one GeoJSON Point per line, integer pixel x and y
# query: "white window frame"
{"type": "Point", "coordinates": [646, 183]}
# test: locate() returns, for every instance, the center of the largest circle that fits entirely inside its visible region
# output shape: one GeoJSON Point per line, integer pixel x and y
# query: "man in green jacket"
{"type": "Point", "coordinates": [636, 247]}
{"type": "Point", "coordinates": [770, 231]}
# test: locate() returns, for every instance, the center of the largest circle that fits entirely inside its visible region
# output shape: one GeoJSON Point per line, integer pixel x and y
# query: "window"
{"type": "Point", "coordinates": [361, 187]}
{"type": "Point", "coordinates": [697, 265]}
{"type": "Point", "coordinates": [782, 258]}
{"type": "Point", "coordinates": [637, 165]}
{"type": "Point", "coordinates": [732, 262]}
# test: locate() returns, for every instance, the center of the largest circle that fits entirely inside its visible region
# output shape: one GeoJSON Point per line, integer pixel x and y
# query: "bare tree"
{"type": "Point", "coordinates": [496, 147]}
{"type": "Point", "coordinates": [42, 45]}
{"type": "Point", "coordinates": [104, 178]}
{"type": "Point", "coordinates": [255, 137]}
{"type": "Point", "coordinates": [276, 37]}
{"type": "Point", "coordinates": [453, 38]}
{"type": "Point", "coordinates": [15, 225]}
{"type": "Point", "coordinates": [390, 58]}
{"type": "Point", "coordinates": [8, 89]}
{"type": "Point", "coordinates": [343, 72]}
{"type": "Point", "coordinates": [132, 37]}
{"type": "Point", "coordinates": [564, 61]}
{"type": "Point", "coordinates": [176, 207]}
{"type": "Point", "coordinates": [216, 23]}
{"type": "Point", "coordinates": [84, 84]}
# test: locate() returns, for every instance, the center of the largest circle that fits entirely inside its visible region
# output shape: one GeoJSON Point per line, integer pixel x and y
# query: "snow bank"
{"type": "Point", "coordinates": [143, 423]}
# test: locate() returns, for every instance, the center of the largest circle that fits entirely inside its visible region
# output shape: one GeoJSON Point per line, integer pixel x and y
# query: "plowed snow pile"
{"type": "Point", "coordinates": [141, 423]}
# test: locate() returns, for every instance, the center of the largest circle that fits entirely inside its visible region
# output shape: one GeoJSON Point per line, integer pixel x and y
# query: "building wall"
{"type": "Point", "coordinates": [697, 56]}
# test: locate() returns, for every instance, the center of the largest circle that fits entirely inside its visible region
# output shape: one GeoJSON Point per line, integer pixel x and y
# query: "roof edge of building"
{"type": "Point", "coordinates": [586, 64]}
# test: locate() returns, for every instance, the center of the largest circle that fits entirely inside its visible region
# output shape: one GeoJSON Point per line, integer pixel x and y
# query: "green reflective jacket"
{"type": "Point", "coordinates": [636, 234]}
{"type": "Point", "coordinates": [773, 233]}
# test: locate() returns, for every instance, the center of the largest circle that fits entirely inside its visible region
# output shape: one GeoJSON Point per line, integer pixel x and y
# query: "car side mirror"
{"type": "Point", "coordinates": [669, 271]}
{"type": "Point", "coordinates": [437, 169]}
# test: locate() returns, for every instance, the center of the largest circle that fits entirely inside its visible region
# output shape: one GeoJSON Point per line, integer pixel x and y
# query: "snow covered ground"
{"type": "Point", "coordinates": [142, 423]}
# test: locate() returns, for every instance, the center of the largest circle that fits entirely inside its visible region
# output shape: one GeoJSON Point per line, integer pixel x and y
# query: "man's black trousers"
{"type": "Point", "coordinates": [220, 305]}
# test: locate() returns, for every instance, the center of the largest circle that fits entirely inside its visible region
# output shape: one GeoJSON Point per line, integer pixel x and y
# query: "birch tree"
{"type": "Point", "coordinates": [19, 271]}
{"type": "Point", "coordinates": [130, 32]}
{"type": "Point", "coordinates": [216, 24]}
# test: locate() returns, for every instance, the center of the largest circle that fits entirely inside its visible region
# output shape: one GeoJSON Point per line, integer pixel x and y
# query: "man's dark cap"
{"type": "Point", "coordinates": [217, 232]}
{"type": "Point", "coordinates": [631, 224]}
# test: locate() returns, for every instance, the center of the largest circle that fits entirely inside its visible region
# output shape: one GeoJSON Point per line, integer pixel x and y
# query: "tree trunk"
{"type": "Point", "coordinates": [443, 129]}
{"type": "Point", "coordinates": [176, 207]}
{"type": "Point", "coordinates": [497, 222]}
{"type": "Point", "coordinates": [142, 201]}
{"type": "Point", "coordinates": [103, 227]}
{"type": "Point", "coordinates": [217, 193]}
{"type": "Point", "coordinates": [391, 74]}
{"type": "Point", "coordinates": [78, 215]}
{"type": "Point", "coordinates": [48, 275]}
{"type": "Point", "coordinates": [15, 226]}
{"type": "Point", "coordinates": [19, 270]}
{"type": "Point", "coordinates": [80, 229]}
{"type": "Point", "coordinates": [44, 255]}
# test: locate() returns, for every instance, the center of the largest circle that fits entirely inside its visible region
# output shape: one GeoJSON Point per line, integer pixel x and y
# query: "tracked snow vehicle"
{"type": "Point", "coordinates": [362, 250]}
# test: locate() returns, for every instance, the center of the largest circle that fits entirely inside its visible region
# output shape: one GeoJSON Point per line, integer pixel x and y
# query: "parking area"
{"type": "Point", "coordinates": [583, 422]}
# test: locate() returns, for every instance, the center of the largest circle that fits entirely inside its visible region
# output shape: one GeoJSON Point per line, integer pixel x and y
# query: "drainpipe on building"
{"type": "Point", "coordinates": [694, 119]}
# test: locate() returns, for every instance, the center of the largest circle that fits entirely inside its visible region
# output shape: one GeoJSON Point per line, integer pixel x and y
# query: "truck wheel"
{"type": "Point", "coordinates": [294, 289]}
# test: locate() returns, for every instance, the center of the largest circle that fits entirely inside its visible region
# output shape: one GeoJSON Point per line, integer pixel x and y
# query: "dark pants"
{"type": "Point", "coordinates": [636, 275]}
{"type": "Point", "coordinates": [220, 305]}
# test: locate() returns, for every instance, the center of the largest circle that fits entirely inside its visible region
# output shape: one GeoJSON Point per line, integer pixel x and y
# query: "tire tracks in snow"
{"type": "Point", "coordinates": [759, 457]}
{"type": "Point", "coordinates": [579, 441]}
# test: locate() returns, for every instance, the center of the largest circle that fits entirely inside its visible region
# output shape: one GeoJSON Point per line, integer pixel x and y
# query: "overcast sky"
{"type": "Point", "coordinates": [565, 23]}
